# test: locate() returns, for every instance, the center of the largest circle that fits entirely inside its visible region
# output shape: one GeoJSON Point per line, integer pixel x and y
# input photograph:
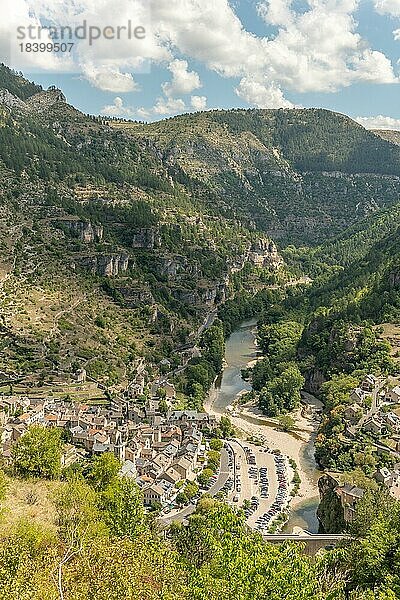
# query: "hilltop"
{"type": "Point", "coordinates": [105, 256]}
{"type": "Point", "coordinates": [300, 175]}
{"type": "Point", "coordinates": [389, 135]}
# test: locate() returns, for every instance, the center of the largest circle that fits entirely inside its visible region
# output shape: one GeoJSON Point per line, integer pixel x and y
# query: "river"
{"type": "Point", "coordinates": [240, 350]}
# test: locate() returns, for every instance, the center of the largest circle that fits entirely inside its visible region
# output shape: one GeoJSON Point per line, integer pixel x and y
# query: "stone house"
{"type": "Point", "coordinates": [349, 495]}
{"type": "Point", "coordinates": [353, 413]}
{"type": "Point", "coordinates": [152, 494]}
{"type": "Point", "coordinates": [393, 395]}
{"type": "Point", "coordinates": [358, 396]}
{"type": "Point", "coordinates": [374, 425]}
{"type": "Point", "coordinates": [184, 467]}
{"type": "Point", "coordinates": [369, 383]}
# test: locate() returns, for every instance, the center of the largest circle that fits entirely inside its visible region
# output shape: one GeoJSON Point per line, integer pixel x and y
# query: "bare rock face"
{"type": "Point", "coordinates": [146, 238]}
{"type": "Point", "coordinates": [105, 265]}
{"type": "Point", "coordinates": [209, 296]}
{"type": "Point", "coordinates": [394, 278]}
{"type": "Point", "coordinates": [172, 266]}
{"type": "Point", "coordinates": [314, 379]}
{"type": "Point", "coordinates": [136, 296]}
{"type": "Point", "coordinates": [44, 100]}
{"type": "Point", "coordinates": [264, 253]}
{"type": "Point", "coordinates": [12, 101]}
{"type": "Point", "coordinates": [84, 230]}
{"type": "Point", "coordinates": [186, 296]}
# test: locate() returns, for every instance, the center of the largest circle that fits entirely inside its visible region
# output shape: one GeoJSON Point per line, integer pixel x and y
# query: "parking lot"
{"type": "Point", "coordinates": [252, 473]}
{"type": "Point", "coordinates": [260, 476]}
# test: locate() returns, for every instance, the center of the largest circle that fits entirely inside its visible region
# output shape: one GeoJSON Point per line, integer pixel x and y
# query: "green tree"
{"type": "Point", "coordinates": [216, 444]}
{"type": "Point", "coordinates": [213, 345]}
{"type": "Point", "coordinates": [204, 477]}
{"type": "Point", "coordinates": [103, 470]}
{"type": "Point", "coordinates": [226, 427]}
{"type": "Point", "coordinates": [121, 505]}
{"type": "Point", "coordinates": [337, 390]}
{"type": "Point", "coordinates": [286, 422]}
{"type": "Point", "coordinates": [163, 406]}
{"type": "Point", "coordinates": [283, 392]}
{"type": "Point", "coordinates": [38, 453]}
{"type": "Point", "coordinates": [213, 459]}
{"type": "Point", "coordinates": [181, 498]}
{"type": "Point", "coordinates": [191, 489]}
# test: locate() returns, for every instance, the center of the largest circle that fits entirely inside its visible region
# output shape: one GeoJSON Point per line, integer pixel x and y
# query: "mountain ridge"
{"type": "Point", "coordinates": [300, 175]}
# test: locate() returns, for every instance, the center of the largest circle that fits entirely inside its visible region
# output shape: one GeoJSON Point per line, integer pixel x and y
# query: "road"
{"type": "Point", "coordinates": [374, 405]}
{"type": "Point", "coordinates": [223, 474]}
{"type": "Point", "coordinates": [248, 486]}
{"type": "Point", "coordinates": [181, 515]}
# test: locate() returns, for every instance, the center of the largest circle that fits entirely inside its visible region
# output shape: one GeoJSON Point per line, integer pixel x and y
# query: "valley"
{"type": "Point", "coordinates": [199, 333]}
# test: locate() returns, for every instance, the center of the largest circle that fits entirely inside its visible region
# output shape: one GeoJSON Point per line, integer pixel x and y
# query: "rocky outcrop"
{"type": "Point", "coordinates": [84, 230]}
{"type": "Point", "coordinates": [186, 296]}
{"type": "Point", "coordinates": [314, 379]}
{"type": "Point", "coordinates": [11, 101]}
{"type": "Point", "coordinates": [173, 266]}
{"type": "Point", "coordinates": [264, 253]}
{"type": "Point", "coordinates": [394, 278]}
{"type": "Point", "coordinates": [330, 512]}
{"type": "Point", "coordinates": [105, 265]}
{"type": "Point", "coordinates": [146, 238]}
{"type": "Point", "coordinates": [44, 100]}
{"type": "Point", "coordinates": [36, 103]}
{"type": "Point", "coordinates": [136, 296]}
{"type": "Point", "coordinates": [208, 295]}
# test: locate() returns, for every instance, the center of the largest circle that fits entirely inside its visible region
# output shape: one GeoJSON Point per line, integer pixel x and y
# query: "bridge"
{"type": "Point", "coordinates": [313, 541]}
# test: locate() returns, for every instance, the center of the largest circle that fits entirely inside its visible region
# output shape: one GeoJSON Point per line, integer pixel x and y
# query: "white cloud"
{"type": "Point", "coordinates": [388, 7]}
{"type": "Point", "coordinates": [16, 14]}
{"type": "Point", "coordinates": [198, 102]}
{"type": "Point", "coordinates": [261, 94]}
{"type": "Point", "coordinates": [277, 12]}
{"type": "Point", "coordinates": [320, 49]}
{"type": "Point", "coordinates": [317, 49]}
{"type": "Point", "coordinates": [166, 106]}
{"type": "Point", "coordinates": [107, 63]}
{"type": "Point", "coordinates": [183, 81]}
{"type": "Point", "coordinates": [109, 79]}
{"type": "Point", "coordinates": [117, 109]}
{"type": "Point", "coordinates": [169, 106]}
{"type": "Point", "coordinates": [379, 122]}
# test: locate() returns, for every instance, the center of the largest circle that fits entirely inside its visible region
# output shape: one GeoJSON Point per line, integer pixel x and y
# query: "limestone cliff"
{"type": "Point", "coordinates": [84, 230]}
{"type": "Point", "coordinates": [147, 239]}
{"type": "Point", "coordinates": [330, 512]}
{"type": "Point", "coordinates": [106, 265]}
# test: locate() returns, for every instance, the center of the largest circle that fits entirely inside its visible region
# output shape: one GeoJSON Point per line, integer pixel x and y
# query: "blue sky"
{"type": "Point", "coordinates": [337, 54]}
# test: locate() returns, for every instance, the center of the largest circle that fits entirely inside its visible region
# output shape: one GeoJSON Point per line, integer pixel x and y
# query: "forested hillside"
{"type": "Point", "coordinates": [300, 175]}
{"type": "Point", "coordinates": [105, 258]}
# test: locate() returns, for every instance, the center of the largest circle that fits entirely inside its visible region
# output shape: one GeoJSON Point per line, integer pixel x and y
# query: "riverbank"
{"type": "Point", "coordinates": [241, 352]}
{"type": "Point", "coordinates": [294, 444]}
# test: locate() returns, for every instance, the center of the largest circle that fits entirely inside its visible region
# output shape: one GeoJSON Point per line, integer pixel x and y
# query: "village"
{"type": "Point", "coordinates": [373, 417]}
{"type": "Point", "coordinates": [159, 447]}
{"type": "Point", "coordinates": [175, 455]}
{"type": "Point", "coordinates": [375, 413]}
